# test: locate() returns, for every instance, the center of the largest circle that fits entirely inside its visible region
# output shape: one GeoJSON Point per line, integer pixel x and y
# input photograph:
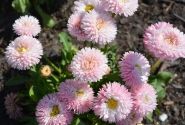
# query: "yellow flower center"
{"type": "Point", "coordinates": [124, 1]}
{"type": "Point", "coordinates": [45, 71]}
{"type": "Point", "coordinates": [27, 24]}
{"type": "Point", "coordinates": [55, 111]}
{"type": "Point", "coordinates": [88, 64]}
{"type": "Point", "coordinates": [146, 99]}
{"type": "Point", "coordinates": [138, 67]}
{"type": "Point", "coordinates": [100, 24]}
{"type": "Point", "coordinates": [22, 49]}
{"type": "Point", "coordinates": [112, 103]}
{"type": "Point", "coordinates": [133, 115]}
{"type": "Point", "coordinates": [171, 39]}
{"type": "Point", "coordinates": [89, 8]}
{"type": "Point", "coordinates": [79, 93]}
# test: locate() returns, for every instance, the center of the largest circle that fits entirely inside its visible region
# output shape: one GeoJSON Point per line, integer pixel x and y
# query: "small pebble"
{"type": "Point", "coordinates": [169, 103]}
{"type": "Point", "coordinates": [177, 86]}
{"type": "Point", "coordinates": [163, 117]}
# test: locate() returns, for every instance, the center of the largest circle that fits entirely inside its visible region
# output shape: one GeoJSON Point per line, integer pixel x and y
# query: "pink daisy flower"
{"type": "Point", "coordinates": [125, 7]}
{"type": "Point", "coordinates": [99, 27]}
{"type": "Point", "coordinates": [144, 99]}
{"type": "Point", "coordinates": [27, 25]}
{"type": "Point", "coordinates": [132, 119]}
{"type": "Point", "coordinates": [78, 95]}
{"type": "Point", "coordinates": [74, 26]}
{"type": "Point", "coordinates": [165, 41]}
{"type": "Point", "coordinates": [13, 109]}
{"type": "Point", "coordinates": [135, 69]}
{"type": "Point", "coordinates": [89, 64]}
{"type": "Point", "coordinates": [86, 5]}
{"type": "Point", "coordinates": [51, 111]}
{"type": "Point", "coordinates": [113, 103]}
{"type": "Point", "coordinates": [24, 52]}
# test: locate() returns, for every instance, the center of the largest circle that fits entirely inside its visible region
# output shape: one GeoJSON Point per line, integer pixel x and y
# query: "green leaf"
{"type": "Point", "coordinates": [66, 40]}
{"type": "Point", "coordinates": [33, 69]}
{"type": "Point", "coordinates": [165, 76]}
{"type": "Point", "coordinates": [21, 6]}
{"type": "Point", "coordinates": [27, 120]}
{"type": "Point", "coordinates": [42, 1]}
{"type": "Point", "coordinates": [68, 49]}
{"type": "Point", "coordinates": [161, 94]}
{"type": "Point", "coordinates": [111, 53]}
{"type": "Point", "coordinates": [32, 93]}
{"type": "Point", "coordinates": [149, 117]}
{"type": "Point", "coordinates": [159, 87]}
{"type": "Point", "coordinates": [17, 80]}
{"type": "Point", "coordinates": [157, 111]}
{"type": "Point", "coordinates": [47, 20]}
{"type": "Point", "coordinates": [77, 121]}
{"type": "Point", "coordinates": [113, 77]}
{"type": "Point", "coordinates": [158, 82]}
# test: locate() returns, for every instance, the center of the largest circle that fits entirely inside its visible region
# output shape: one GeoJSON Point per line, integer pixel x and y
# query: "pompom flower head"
{"type": "Point", "coordinates": [125, 7]}
{"type": "Point", "coordinates": [135, 69]}
{"type": "Point", "coordinates": [113, 103]}
{"type": "Point", "coordinates": [24, 52]}
{"type": "Point", "coordinates": [99, 27]}
{"type": "Point", "coordinates": [13, 109]}
{"type": "Point", "coordinates": [165, 41]}
{"type": "Point", "coordinates": [74, 26]}
{"type": "Point", "coordinates": [85, 6]}
{"type": "Point", "coordinates": [144, 99]}
{"type": "Point", "coordinates": [51, 111]}
{"type": "Point", "coordinates": [89, 64]}
{"type": "Point", "coordinates": [77, 95]}
{"type": "Point", "coordinates": [27, 25]}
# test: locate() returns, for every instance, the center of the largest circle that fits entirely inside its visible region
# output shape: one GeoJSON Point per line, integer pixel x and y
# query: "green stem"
{"type": "Point", "coordinates": [47, 20]}
{"type": "Point", "coordinates": [55, 78]}
{"type": "Point", "coordinates": [156, 66]}
{"type": "Point", "coordinates": [92, 44]}
{"type": "Point", "coordinates": [53, 65]}
{"type": "Point", "coordinates": [106, 48]}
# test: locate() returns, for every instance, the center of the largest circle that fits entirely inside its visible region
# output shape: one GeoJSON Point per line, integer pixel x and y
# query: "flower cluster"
{"type": "Point", "coordinates": [25, 51]}
{"type": "Point", "coordinates": [125, 101]}
{"type": "Point", "coordinates": [92, 21]}
{"type": "Point", "coordinates": [114, 102]}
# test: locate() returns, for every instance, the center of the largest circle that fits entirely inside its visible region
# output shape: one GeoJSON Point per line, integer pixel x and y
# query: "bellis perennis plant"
{"type": "Point", "coordinates": [90, 83]}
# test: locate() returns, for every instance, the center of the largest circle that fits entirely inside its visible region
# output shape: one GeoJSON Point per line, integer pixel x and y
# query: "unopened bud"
{"type": "Point", "coordinates": [45, 71]}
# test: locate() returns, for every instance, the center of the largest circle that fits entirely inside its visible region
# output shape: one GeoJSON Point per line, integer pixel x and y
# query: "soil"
{"type": "Point", "coordinates": [130, 36]}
